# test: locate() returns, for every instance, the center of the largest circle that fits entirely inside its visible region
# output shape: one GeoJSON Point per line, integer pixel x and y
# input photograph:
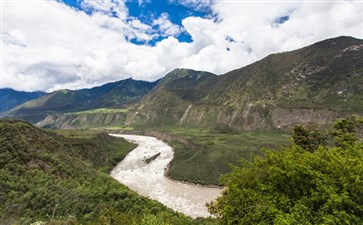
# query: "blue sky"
{"type": "Point", "coordinates": [147, 11]}
{"type": "Point", "coordinates": [57, 44]}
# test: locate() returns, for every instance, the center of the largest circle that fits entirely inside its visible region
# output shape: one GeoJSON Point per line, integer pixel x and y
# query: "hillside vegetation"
{"type": "Point", "coordinates": [316, 180]}
{"type": "Point", "coordinates": [62, 176]}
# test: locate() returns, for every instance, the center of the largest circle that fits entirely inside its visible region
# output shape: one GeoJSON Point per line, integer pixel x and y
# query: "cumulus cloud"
{"type": "Point", "coordinates": [307, 23]}
{"type": "Point", "coordinates": [166, 27]}
{"type": "Point", "coordinates": [48, 45]}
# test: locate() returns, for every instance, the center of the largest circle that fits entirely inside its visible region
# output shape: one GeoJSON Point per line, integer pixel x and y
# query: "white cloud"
{"type": "Point", "coordinates": [195, 4]}
{"type": "Point", "coordinates": [308, 22]}
{"type": "Point", "coordinates": [166, 27]}
{"type": "Point", "coordinates": [48, 45]}
{"type": "Point", "coordinates": [110, 7]}
{"type": "Point", "coordinates": [141, 2]}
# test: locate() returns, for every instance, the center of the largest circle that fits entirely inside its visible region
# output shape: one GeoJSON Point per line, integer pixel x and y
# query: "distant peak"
{"type": "Point", "coordinates": [182, 73]}
{"type": "Point", "coordinates": [14, 90]}
{"type": "Point", "coordinates": [342, 38]}
{"type": "Point", "coordinates": [336, 41]}
{"type": "Point", "coordinates": [183, 70]}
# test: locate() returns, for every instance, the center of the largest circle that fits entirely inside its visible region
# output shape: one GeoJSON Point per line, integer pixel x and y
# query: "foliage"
{"type": "Point", "coordinates": [293, 185]}
{"type": "Point", "coordinates": [99, 149]}
{"type": "Point", "coordinates": [309, 137]}
{"type": "Point", "coordinates": [347, 130]}
{"type": "Point", "coordinates": [58, 179]}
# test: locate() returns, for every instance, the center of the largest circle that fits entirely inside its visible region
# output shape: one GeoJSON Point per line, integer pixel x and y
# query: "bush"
{"type": "Point", "coordinates": [294, 185]}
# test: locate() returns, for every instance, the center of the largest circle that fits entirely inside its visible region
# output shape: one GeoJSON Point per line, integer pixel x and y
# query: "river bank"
{"type": "Point", "coordinates": [149, 179]}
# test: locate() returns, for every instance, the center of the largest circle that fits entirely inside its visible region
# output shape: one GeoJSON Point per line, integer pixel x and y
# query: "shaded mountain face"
{"type": "Point", "coordinates": [314, 84]}
{"type": "Point", "coordinates": [113, 94]}
{"type": "Point", "coordinates": [10, 98]}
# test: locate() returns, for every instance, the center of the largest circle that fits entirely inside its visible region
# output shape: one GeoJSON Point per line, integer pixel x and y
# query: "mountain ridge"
{"type": "Point", "coordinates": [10, 98]}
{"type": "Point", "coordinates": [114, 94]}
{"type": "Point", "coordinates": [316, 83]}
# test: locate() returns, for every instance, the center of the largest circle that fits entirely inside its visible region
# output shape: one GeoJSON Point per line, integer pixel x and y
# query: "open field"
{"type": "Point", "coordinates": [215, 151]}
{"type": "Point", "coordinates": [97, 111]}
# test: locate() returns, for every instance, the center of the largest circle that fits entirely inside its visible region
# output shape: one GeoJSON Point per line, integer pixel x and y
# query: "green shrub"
{"type": "Point", "coordinates": [294, 185]}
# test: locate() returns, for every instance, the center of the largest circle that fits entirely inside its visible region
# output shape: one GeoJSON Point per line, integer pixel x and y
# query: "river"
{"type": "Point", "coordinates": [148, 179]}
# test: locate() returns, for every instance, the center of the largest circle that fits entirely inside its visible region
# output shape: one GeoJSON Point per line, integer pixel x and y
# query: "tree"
{"type": "Point", "coordinates": [347, 130]}
{"type": "Point", "coordinates": [308, 136]}
{"type": "Point", "coordinates": [295, 186]}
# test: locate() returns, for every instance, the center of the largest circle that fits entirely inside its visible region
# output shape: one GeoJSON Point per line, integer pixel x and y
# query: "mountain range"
{"type": "Point", "coordinates": [10, 98]}
{"type": "Point", "coordinates": [317, 83]}
{"type": "Point", "coordinates": [115, 94]}
{"type": "Point", "coordinates": [314, 84]}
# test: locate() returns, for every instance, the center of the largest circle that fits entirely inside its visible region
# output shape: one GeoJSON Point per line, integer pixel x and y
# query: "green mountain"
{"type": "Point", "coordinates": [114, 94]}
{"type": "Point", "coordinates": [179, 82]}
{"type": "Point", "coordinates": [10, 98]}
{"type": "Point", "coordinates": [314, 84]}
{"type": "Point", "coordinates": [47, 176]}
{"type": "Point", "coordinates": [165, 105]}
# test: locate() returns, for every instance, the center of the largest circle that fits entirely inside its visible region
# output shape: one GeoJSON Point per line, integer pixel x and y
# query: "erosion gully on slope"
{"type": "Point", "coordinates": [148, 179]}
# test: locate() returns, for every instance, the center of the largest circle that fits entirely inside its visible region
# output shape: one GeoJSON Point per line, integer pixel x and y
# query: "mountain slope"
{"type": "Point", "coordinates": [109, 95]}
{"type": "Point", "coordinates": [46, 176]}
{"type": "Point", "coordinates": [10, 98]}
{"type": "Point", "coordinates": [97, 118]}
{"type": "Point", "coordinates": [314, 84]}
{"type": "Point", "coordinates": [117, 93]}
{"type": "Point", "coordinates": [177, 90]}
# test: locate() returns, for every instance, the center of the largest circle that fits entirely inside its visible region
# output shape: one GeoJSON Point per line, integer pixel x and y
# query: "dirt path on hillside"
{"type": "Point", "coordinates": [148, 179]}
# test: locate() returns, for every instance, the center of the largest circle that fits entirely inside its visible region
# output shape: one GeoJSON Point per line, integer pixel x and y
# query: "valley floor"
{"type": "Point", "coordinates": [214, 151]}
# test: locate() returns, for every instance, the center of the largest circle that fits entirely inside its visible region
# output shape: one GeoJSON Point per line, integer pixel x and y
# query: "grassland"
{"type": "Point", "coordinates": [215, 151]}
{"type": "Point", "coordinates": [98, 111]}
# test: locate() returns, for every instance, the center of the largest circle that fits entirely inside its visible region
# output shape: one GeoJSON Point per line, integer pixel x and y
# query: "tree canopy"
{"type": "Point", "coordinates": [318, 179]}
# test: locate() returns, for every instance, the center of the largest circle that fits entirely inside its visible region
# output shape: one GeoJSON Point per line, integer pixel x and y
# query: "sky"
{"type": "Point", "coordinates": [71, 44]}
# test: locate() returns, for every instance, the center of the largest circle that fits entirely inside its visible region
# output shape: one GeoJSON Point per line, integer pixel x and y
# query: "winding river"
{"type": "Point", "coordinates": [143, 170]}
